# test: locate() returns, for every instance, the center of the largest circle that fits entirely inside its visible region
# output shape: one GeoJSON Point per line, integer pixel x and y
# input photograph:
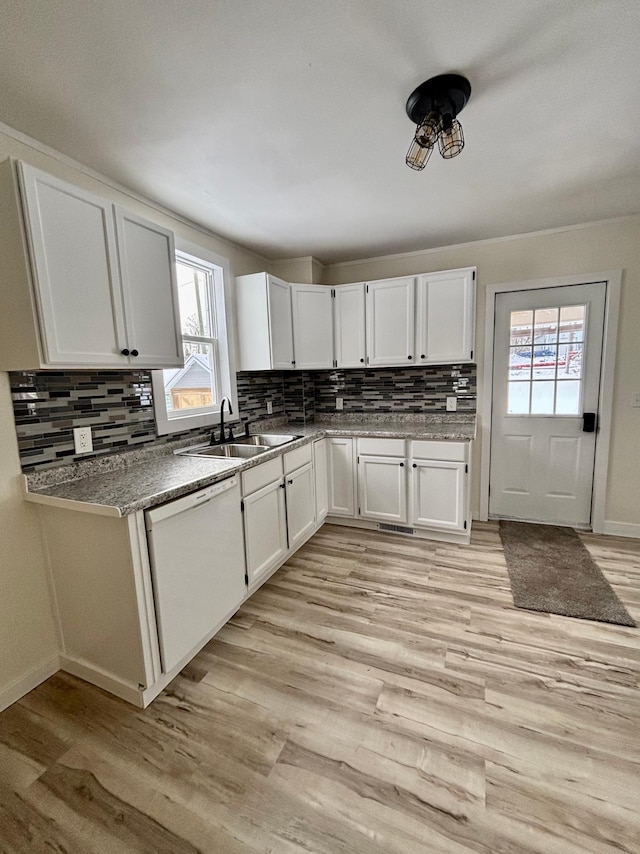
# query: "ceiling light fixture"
{"type": "Point", "coordinates": [433, 107]}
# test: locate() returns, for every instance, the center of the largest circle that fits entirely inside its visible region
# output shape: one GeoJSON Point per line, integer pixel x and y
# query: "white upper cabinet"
{"type": "Point", "coordinates": [390, 322]}
{"type": "Point", "coordinates": [349, 326]}
{"type": "Point", "coordinates": [84, 286]}
{"type": "Point", "coordinates": [445, 317]}
{"type": "Point", "coordinates": [152, 315]}
{"type": "Point", "coordinates": [312, 326]}
{"type": "Point", "coordinates": [265, 323]}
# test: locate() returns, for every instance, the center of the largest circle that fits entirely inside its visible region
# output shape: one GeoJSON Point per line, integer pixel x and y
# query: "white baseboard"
{"type": "Point", "coordinates": [621, 529]}
{"type": "Point", "coordinates": [102, 679]}
{"type": "Point", "coordinates": [21, 686]}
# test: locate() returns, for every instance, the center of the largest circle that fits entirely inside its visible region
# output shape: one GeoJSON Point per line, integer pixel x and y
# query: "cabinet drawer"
{"type": "Point", "coordinates": [261, 475]}
{"type": "Point", "coordinates": [382, 447]}
{"type": "Point", "coordinates": [446, 450]}
{"type": "Point", "coordinates": [294, 459]}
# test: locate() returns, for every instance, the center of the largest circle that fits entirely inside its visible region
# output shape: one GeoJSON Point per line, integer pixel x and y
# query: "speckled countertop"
{"type": "Point", "coordinates": [121, 484]}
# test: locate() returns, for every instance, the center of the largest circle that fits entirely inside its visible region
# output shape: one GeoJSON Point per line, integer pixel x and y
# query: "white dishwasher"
{"type": "Point", "coordinates": [196, 548]}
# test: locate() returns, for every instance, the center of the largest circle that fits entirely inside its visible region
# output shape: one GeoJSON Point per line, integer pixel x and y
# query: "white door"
{"type": "Point", "coordinates": [390, 322]}
{"type": "Point", "coordinates": [340, 466]}
{"type": "Point", "coordinates": [265, 529]}
{"type": "Point", "coordinates": [445, 317]}
{"type": "Point", "coordinates": [320, 475]}
{"type": "Point", "coordinates": [76, 278]}
{"type": "Point", "coordinates": [147, 267]}
{"type": "Point", "coordinates": [280, 325]}
{"type": "Point", "coordinates": [301, 510]}
{"type": "Point", "coordinates": [349, 325]}
{"type": "Point", "coordinates": [382, 488]}
{"type": "Point", "coordinates": [312, 326]}
{"type": "Point", "coordinates": [438, 494]}
{"type": "Point", "coordinates": [547, 352]}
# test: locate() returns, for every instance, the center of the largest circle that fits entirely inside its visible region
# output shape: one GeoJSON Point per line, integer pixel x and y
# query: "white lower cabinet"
{"type": "Point", "coordinates": [438, 495]}
{"type": "Point", "coordinates": [321, 479]}
{"type": "Point", "coordinates": [265, 529]}
{"type": "Point", "coordinates": [341, 476]}
{"type": "Point", "coordinates": [382, 488]}
{"type": "Point", "coordinates": [301, 511]}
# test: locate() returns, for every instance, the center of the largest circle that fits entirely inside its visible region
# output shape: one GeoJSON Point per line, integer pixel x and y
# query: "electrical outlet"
{"type": "Point", "coordinates": [82, 440]}
{"type": "Point", "coordinates": [338, 403]}
{"type": "Point", "coordinates": [269, 408]}
{"type": "Point", "coordinates": [452, 404]}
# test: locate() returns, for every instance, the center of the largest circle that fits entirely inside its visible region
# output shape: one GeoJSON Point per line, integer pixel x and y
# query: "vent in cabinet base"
{"type": "Point", "coordinates": [397, 529]}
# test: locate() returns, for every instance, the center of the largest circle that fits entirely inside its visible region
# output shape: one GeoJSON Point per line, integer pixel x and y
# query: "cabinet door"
{"type": "Point", "coordinates": [312, 326]}
{"type": "Point", "coordinates": [265, 529]}
{"type": "Point", "coordinates": [438, 494]}
{"type": "Point", "coordinates": [341, 477]}
{"type": "Point", "coordinates": [321, 482]}
{"type": "Point", "coordinates": [445, 317]}
{"type": "Point", "coordinates": [280, 325]}
{"type": "Point", "coordinates": [147, 270]}
{"type": "Point", "coordinates": [382, 488]}
{"type": "Point", "coordinates": [301, 507]}
{"type": "Point", "coordinates": [77, 287]}
{"type": "Point", "coordinates": [349, 325]}
{"type": "Point", "coordinates": [390, 322]}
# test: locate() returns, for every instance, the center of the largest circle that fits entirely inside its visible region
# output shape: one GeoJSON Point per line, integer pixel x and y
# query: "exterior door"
{"type": "Point", "coordinates": [547, 353]}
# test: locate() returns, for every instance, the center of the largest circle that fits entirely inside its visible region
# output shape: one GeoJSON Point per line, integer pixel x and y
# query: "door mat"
{"type": "Point", "coordinates": [551, 570]}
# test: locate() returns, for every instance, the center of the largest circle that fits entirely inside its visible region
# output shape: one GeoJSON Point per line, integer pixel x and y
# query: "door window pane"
{"type": "Point", "coordinates": [545, 327]}
{"type": "Point", "coordinates": [568, 397]}
{"type": "Point", "coordinates": [572, 323]}
{"type": "Point", "coordinates": [542, 398]}
{"type": "Point", "coordinates": [519, 398]}
{"type": "Point", "coordinates": [521, 328]}
{"type": "Point", "coordinates": [520, 360]}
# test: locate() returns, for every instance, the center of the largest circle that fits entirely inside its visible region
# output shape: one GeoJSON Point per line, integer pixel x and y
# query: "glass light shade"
{"type": "Point", "coordinates": [428, 130]}
{"type": "Point", "coordinates": [418, 155]}
{"type": "Point", "coordinates": [451, 140]}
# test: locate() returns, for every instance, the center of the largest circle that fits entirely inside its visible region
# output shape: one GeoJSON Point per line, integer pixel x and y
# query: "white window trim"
{"type": "Point", "coordinates": [226, 351]}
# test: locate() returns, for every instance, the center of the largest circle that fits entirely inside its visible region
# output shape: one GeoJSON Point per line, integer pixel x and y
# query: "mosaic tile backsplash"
{"type": "Point", "coordinates": [119, 405]}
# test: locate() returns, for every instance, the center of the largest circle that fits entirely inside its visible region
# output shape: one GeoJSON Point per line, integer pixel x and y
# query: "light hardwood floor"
{"type": "Point", "coordinates": [378, 695]}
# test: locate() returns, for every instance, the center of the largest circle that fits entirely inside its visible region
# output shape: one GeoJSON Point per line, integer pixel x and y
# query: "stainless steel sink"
{"type": "Point", "coordinates": [270, 440]}
{"type": "Point", "coordinates": [230, 450]}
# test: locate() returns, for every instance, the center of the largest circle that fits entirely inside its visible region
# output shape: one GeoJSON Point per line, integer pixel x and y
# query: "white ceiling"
{"type": "Point", "coordinates": [280, 123]}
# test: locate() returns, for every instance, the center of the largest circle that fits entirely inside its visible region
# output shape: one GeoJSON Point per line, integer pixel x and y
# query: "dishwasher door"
{"type": "Point", "coordinates": [196, 548]}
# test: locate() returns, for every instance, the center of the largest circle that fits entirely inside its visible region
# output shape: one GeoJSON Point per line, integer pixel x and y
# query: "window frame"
{"type": "Point", "coordinates": [224, 352]}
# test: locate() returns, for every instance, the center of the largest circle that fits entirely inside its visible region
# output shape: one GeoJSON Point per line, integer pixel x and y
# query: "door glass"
{"type": "Point", "coordinates": [545, 361]}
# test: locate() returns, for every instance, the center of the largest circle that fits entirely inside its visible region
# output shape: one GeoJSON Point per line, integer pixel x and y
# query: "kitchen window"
{"type": "Point", "coordinates": [189, 397]}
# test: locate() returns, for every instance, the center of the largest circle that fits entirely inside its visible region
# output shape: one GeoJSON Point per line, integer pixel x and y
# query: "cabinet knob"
{"type": "Point", "coordinates": [362, 360]}
{"type": "Point", "coordinates": [134, 353]}
{"type": "Point", "coordinates": [409, 357]}
{"type": "Point", "coordinates": [293, 363]}
{"type": "Point", "coordinates": [401, 465]}
{"type": "Point", "coordinates": [125, 352]}
{"type": "Point", "coordinates": [282, 486]}
{"type": "Point", "coordinates": [289, 481]}
{"type": "Point", "coordinates": [423, 356]}
{"type": "Point", "coordinates": [414, 466]}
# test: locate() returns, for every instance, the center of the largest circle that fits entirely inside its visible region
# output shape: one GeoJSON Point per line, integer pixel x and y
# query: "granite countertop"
{"type": "Point", "coordinates": [121, 484]}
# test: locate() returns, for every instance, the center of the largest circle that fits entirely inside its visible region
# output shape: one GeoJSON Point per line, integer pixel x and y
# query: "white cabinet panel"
{"type": "Point", "coordinates": [312, 326]}
{"type": "Point", "coordinates": [281, 325]}
{"type": "Point", "coordinates": [349, 325]}
{"type": "Point", "coordinates": [147, 268]}
{"type": "Point", "coordinates": [390, 322]}
{"type": "Point", "coordinates": [445, 317]}
{"type": "Point", "coordinates": [321, 479]}
{"type": "Point", "coordinates": [265, 529]}
{"type": "Point", "coordinates": [301, 516]}
{"type": "Point", "coordinates": [382, 488]}
{"type": "Point", "coordinates": [341, 476]}
{"type": "Point", "coordinates": [72, 240]}
{"type": "Point", "coordinates": [438, 495]}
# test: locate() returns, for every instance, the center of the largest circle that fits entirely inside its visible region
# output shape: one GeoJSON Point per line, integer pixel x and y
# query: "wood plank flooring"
{"type": "Point", "coordinates": [378, 695]}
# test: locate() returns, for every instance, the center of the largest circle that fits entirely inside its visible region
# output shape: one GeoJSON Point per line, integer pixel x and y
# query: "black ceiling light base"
{"type": "Point", "coordinates": [446, 94]}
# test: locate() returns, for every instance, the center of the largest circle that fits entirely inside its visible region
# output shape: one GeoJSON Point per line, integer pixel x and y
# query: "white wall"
{"type": "Point", "coordinates": [588, 249]}
{"type": "Point", "coordinates": [28, 644]}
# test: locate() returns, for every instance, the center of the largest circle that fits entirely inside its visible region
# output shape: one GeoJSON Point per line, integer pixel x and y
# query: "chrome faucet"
{"type": "Point", "coordinates": [222, 438]}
